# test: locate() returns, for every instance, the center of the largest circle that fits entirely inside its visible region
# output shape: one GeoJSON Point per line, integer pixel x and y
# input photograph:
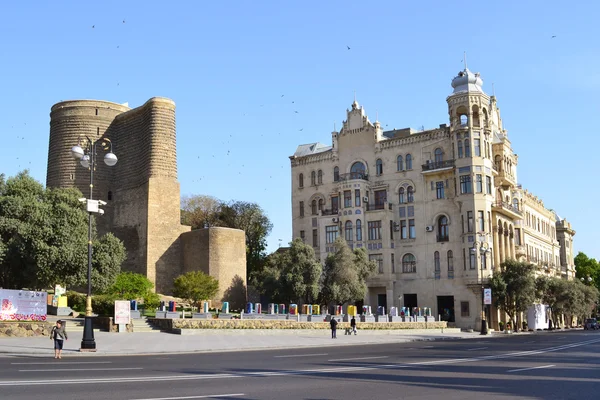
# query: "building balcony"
{"type": "Point", "coordinates": [443, 238]}
{"type": "Point", "coordinates": [504, 179]}
{"type": "Point", "coordinates": [333, 211]}
{"type": "Point", "coordinates": [353, 176]}
{"type": "Point", "coordinates": [379, 206]}
{"type": "Point", "coordinates": [507, 209]}
{"type": "Point", "coordinates": [437, 166]}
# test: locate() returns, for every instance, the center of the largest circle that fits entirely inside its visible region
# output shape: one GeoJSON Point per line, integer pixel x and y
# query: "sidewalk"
{"type": "Point", "coordinates": [163, 343]}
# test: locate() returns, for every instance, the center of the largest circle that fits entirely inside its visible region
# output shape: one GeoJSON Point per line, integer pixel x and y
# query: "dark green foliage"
{"type": "Point", "coordinates": [195, 286]}
{"type": "Point", "coordinates": [130, 285]}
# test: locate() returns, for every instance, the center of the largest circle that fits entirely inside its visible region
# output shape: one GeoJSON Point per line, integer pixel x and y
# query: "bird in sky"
{"type": "Point", "coordinates": [296, 112]}
{"type": "Point", "coordinates": [301, 129]}
{"type": "Point", "coordinates": [93, 26]}
{"type": "Point", "coordinates": [553, 37]}
{"type": "Point", "coordinates": [282, 95]}
{"type": "Point", "coordinates": [123, 21]}
{"type": "Point", "coordinates": [348, 47]}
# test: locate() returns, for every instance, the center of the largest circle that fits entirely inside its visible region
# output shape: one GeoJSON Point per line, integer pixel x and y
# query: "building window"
{"type": "Point", "coordinates": [477, 147]}
{"type": "Point", "coordinates": [347, 198]}
{"type": "Point", "coordinates": [320, 177]}
{"type": "Point", "coordinates": [302, 235]}
{"type": "Point", "coordinates": [348, 232]}
{"type": "Point", "coordinates": [374, 230]}
{"type": "Point", "coordinates": [518, 236]}
{"type": "Point", "coordinates": [301, 180]}
{"type": "Point", "coordinates": [472, 259]}
{"type": "Point", "coordinates": [460, 148]}
{"type": "Point", "coordinates": [479, 183]}
{"type": "Point", "coordinates": [450, 265]}
{"type": "Point", "coordinates": [357, 197]}
{"type": "Point", "coordinates": [484, 261]}
{"type": "Point", "coordinates": [436, 263]}
{"type": "Point", "coordinates": [378, 258]}
{"type": "Point", "coordinates": [410, 194]}
{"type": "Point", "coordinates": [393, 264]}
{"type": "Point", "coordinates": [515, 204]}
{"type": "Point", "coordinates": [109, 195]}
{"type": "Point", "coordinates": [439, 190]}
{"type": "Point", "coordinates": [465, 184]}
{"type": "Point", "coordinates": [331, 233]}
{"type": "Point", "coordinates": [313, 207]}
{"type": "Point", "coordinates": [467, 148]}
{"type": "Point", "coordinates": [464, 259]}
{"type": "Point", "coordinates": [399, 163]}
{"type": "Point", "coordinates": [336, 174]}
{"type": "Point", "coordinates": [464, 309]}
{"type": "Point", "coordinates": [439, 155]}
{"type": "Point", "coordinates": [313, 178]}
{"type": "Point", "coordinates": [409, 264]}
{"type": "Point", "coordinates": [358, 170]}
{"type": "Point", "coordinates": [401, 198]}
{"type": "Point", "coordinates": [481, 220]}
{"type": "Point", "coordinates": [379, 166]}
{"type": "Point", "coordinates": [380, 198]}
{"type": "Point", "coordinates": [358, 231]}
{"type": "Point", "coordinates": [443, 232]}
{"type": "Point", "coordinates": [302, 209]}
{"type": "Point", "coordinates": [335, 204]}
{"type": "Point", "coordinates": [315, 238]}
{"type": "Point", "coordinates": [403, 229]}
{"type": "Point", "coordinates": [412, 232]}
{"type": "Point", "coordinates": [469, 221]}
{"type": "Point", "coordinates": [488, 185]}
{"type": "Point", "coordinates": [321, 203]}
{"type": "Point", "coordinates": [462, 223]}
{"type": "Point", "coordinates": [408, 161]}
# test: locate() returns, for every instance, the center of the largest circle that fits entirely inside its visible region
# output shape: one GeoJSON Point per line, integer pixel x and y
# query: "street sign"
{"type": "Point", "coordinates": [487, 296]}
{"type": "Point", "coordinates": [122, 312]}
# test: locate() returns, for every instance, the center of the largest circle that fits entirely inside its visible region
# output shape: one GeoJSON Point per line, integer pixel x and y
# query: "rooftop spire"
{"type": "Point", "coordinates": [465, 59]}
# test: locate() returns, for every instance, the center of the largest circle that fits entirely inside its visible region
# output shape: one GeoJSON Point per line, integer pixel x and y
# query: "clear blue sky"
{"type": "Point", "coordinates": [226, 65]}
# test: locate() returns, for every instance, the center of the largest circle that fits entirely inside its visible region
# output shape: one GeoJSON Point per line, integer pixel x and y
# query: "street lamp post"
{"type": "Point", "coordinates": [87, 158]}
{"type": "Point", "coordinates": [483, 251]}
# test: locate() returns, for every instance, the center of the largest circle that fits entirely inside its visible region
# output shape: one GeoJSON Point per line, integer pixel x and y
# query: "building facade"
{"type": "Point", "coordinates": [141, 191]}
{"type": "Point", "coordinates": [438, 210]}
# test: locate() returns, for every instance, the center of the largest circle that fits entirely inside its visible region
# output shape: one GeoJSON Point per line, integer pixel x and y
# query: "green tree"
{"type": "Point", "coordinates": [130, 285]}
{"type": "Point", "coordinates": [345, 274]}
{"type": "Point", "coordinates": [195, 286]}
{"type": "Point", "coordinates": [586, 268]}
{"type": "Point", "coordinates": [513, 288]}
{"type": "Point", "coordinates": [200, 211]}
{"type": "Point", "coordinates": [292, 275]}
{"type": "Point", "coordinates": [44, 234]}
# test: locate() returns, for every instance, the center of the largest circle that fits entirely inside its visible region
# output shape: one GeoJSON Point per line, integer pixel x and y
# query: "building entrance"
{"type": "Point", "coordinates": [410, 301]}
{"type": "Point", "coordinates": [445, 306]}
{"type": "Point", "coordinates": [382, 300]}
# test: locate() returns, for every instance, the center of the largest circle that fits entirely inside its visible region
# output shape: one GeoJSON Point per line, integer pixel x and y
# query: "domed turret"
{"type": "Point", "coordinates": [467, 81]}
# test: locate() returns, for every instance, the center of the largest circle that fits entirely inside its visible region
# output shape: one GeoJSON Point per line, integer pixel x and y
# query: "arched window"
{"type": "Point", "coordinates": [464, 120]}
{"type": "Point", "coordinates": [399, 163]}
{"type": "Point", "coordinates": [320, 177]}
{"type": "Point", "coordinates": [336, 174]}
{"type": "Point", "coordinates": [401, 198]}
{"type": "Point", "coordinates": [475, 116]}
{"type": "Point", "coordinates": [358, 170]}
{"type": "Point", "coordinates": [358, 230]}
{"type": "Point", "coordinates": [516, 204]}
{"type": "Point", "coordinates": [313, 178]}
{"type": "Point", "coordinates": [460, 148]}
{"type": "Point", "coordinates": [348, 231]}
{"type": "Point", "coordinates": [409, 263]}
{"type": "Point", "coordinates": [450, 265]}
{"type": "Point", "coordinates": [301, 180]}
{"type": "Point", "coordinates": [442, 227]}
{"type": "Point", "coordinates": [410, 194]}
{"type": "Point", "coordinates": [498, 162]}
{"type": "Point", "coordinates": [321, 203]}
{"type": "Point", "coordinates": [439, 155]}
{"type": "Point", "coordinates": [313, 207]}
{"type": "Point", "coordinates": [436, 264]}
{"type": "Point", "coordinates": [467, 147]}
{"type": "Point", "coordinates": [408, 161]}
{"type": "Point", "coordinates": [379, 166]}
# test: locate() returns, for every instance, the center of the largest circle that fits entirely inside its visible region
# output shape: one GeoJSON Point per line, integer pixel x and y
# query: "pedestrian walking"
{"type": "Point", "coordinates": [333, 324]}
{"type": "Point", "coordinates": [59, 334]}
{"type": "Point", "coordinates": [353, 324]}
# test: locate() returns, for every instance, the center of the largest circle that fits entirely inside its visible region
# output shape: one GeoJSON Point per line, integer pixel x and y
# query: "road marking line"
{"type": "Point", "coordinates": [196, 397]}
{"type": "Point", "coordinates": [533, 341]}
{"type": "Point", "coordinates": [427, 347]}
{"type": "Point", "coordinates": [301, 355]}
{"type": "Point", "coordinates": [77, 369]}
{"type": "Point", "coordinates": [529, 369]}
{"type": "Point", "coordinates": [477, 348]}
{"type": "Point", "coordinates": [61, 363]}
{"type": "Point", "coordinates": [155, 378]}
{"type": "Point", "coordinates": [357, 358]}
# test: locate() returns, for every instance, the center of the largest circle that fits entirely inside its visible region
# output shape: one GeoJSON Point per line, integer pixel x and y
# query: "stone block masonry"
{"type": "Point", "coordinates": [141, 191]}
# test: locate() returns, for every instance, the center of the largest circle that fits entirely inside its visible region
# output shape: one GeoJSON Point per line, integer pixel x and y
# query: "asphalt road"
{"type": "Point", "coordinates": [558, 365]}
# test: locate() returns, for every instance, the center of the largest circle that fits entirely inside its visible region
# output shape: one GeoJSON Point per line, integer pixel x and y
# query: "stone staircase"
{"type": "Point", "coordinates": [142, 325]}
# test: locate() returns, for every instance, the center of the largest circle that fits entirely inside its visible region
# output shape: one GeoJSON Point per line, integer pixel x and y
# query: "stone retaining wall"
{"type": "Point", "coordinates": [172, 324]}
{"type": "Point", "coordinates": [25, 329]}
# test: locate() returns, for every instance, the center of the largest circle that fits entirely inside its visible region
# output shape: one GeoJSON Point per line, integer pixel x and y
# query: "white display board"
{"type": "Point", "coordinates": [23, 305]}
{"type": "Point", "coordinates": [537, 317]}
{"type": "Point", "coordinates": [122, 311]}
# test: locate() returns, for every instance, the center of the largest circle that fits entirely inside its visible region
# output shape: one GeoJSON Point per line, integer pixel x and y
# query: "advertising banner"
{"type": "Point", "coordinates": [122, 311]}
{"type": "Point", "coordinates": [23, 305]}
{"type": "Point", "coordinates": [487, 296]}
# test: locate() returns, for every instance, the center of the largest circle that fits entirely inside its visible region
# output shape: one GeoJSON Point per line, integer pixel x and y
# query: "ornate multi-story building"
{"type": "Point", "coordinates": [142, 192]}
{"type": "Point", "coordinates": [438, 210]}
